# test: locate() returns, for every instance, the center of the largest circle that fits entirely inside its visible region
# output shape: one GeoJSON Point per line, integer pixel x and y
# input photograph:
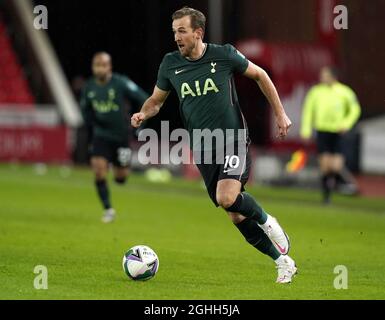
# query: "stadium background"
{"type": "Point", "coordinates": [42, 144]}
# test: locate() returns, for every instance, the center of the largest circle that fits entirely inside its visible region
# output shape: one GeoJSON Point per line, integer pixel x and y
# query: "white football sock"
{"type": "Point", "coordinates": [280, 260]}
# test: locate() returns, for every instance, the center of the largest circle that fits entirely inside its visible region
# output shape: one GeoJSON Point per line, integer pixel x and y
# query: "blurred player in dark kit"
{"type": "Point", "coordinates": [105, 109]}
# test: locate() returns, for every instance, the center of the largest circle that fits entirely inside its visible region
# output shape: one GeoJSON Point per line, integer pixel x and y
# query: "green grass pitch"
{"type": "Point", "coordinates": [54, 221]}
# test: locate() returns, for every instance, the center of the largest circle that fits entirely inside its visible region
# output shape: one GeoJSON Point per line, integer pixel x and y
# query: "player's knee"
{"type": "Point", "coordinates": [100, 171]}
{"type": "Point", "coordinates": [120, 180]}
{"type": "Point", "coordinates": [338, 163]}
{"type": "Point", "coordinates": [100, 174]}
{"type": "Point", "coordinates": [326, 163]}
{"type": "Point", "coordinates": [236, 218]}
{"type": "Point", "coordinates": [226, 199]}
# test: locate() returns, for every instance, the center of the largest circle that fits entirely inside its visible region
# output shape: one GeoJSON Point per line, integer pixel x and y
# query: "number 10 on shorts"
{"type": "Point", "coordinates": [124, 156]}
{"type": "Point", "coordinates": [231, 162]}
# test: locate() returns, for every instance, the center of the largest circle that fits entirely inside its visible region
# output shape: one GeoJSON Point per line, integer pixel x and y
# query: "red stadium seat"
{"type": "Point", "coordinates": [14, 88]}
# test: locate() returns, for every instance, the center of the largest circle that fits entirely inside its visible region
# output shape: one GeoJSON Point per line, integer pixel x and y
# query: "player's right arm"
{"type": "Point", "coordinates": [150, 107]}
{"type": "Point", "coordinates": [307, 115]}
{"type": "Point", "coordinates": [153, 104]}
{"type": "Point", "coordinates": [85, 107]}
{"type": "Point", "coordinates": [87, 112]}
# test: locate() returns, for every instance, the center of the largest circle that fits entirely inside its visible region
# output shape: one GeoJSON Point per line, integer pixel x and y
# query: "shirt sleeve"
{"type": "Point", "coordinates": [354, 110]}
{"type": "Point", "coordinates": [163, 81]}
{"type": "Point", "coordinates": [238, 61]}
{"type": "Point", "coordinates": [133, 92]}
{"type": "Point", "coordinates": [86, 107]}
{"type": "Point", "coordinates": [307, 115]}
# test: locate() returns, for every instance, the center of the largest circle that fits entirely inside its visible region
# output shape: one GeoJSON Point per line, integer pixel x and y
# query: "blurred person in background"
{"type": "Point", "coordinates": [104, 104]}
{"type": "Point", "coordinates": [332, 109]}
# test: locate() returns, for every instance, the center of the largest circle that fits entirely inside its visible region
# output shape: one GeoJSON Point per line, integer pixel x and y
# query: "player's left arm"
{"type": "Point", "coordinates": [354, 110]}
{"type": "Point", "coordinates": [134, 93]}
{"type": "Point", "coordinates": [267, 87]}
{"type": "Point", "coordinates": [137, 96]}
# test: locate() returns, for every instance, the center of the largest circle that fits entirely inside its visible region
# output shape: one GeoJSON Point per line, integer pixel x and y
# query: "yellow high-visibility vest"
{"type": "Point", "coordinates": [330, 108]}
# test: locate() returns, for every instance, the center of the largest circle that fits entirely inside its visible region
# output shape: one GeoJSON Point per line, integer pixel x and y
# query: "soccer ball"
{"type": "Point", "coordinates": [140, 263]}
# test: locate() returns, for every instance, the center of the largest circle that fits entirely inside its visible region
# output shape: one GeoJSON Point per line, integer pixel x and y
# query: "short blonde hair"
{"type": "Point", "coordinates": [198, 19]}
